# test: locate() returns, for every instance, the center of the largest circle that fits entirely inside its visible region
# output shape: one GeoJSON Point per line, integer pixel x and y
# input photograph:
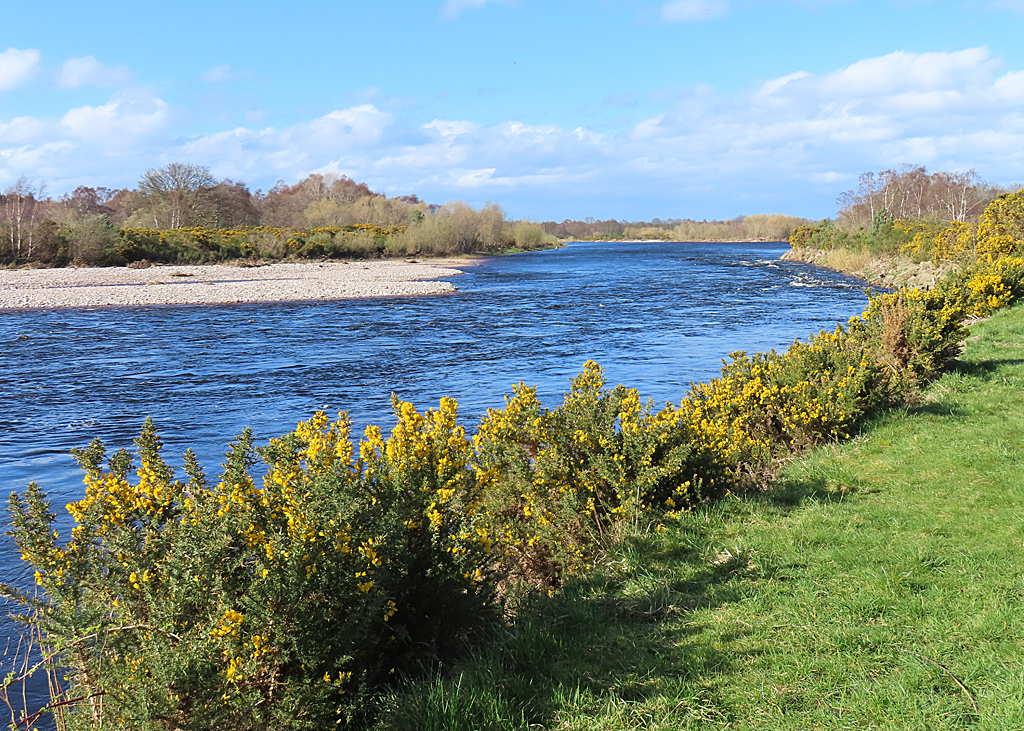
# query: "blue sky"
{"type": "Point", "coordinates": [624, 109]}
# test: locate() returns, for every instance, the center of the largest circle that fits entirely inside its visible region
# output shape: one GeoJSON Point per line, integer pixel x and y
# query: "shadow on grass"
{"type": "Point", "coordinates": [616, 634]}
{"type": "Point", "coordinates": [937, 408]}
{"type": "Point", "coordinates": [791, 492]}
{"type": "Point", "coordinates": [982, 368]}
{"type": "Point", "coordinates": [970, 367]}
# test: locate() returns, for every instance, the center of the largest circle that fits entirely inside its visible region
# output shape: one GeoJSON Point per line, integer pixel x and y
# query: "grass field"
{"type": "Point", "coordinates": [879, 585]}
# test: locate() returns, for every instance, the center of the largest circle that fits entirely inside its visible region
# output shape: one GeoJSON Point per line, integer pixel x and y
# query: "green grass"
{"type": "Point", "coordinates": [880, 585]}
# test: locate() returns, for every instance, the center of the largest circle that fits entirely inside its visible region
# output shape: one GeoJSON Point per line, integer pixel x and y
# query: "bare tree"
{"type": "Point", "coordinates": [962, 195]}
{"type": "Point", "coordinates": [233, 205]}
{"type": "Point", "coordinates": [94, 201]}
{"type": "Point", "coordinates": [178, 195]}
{"type": "Point", "coordinates": [20, 202]}
{"type": "Point", "coordinates": [910, 192]}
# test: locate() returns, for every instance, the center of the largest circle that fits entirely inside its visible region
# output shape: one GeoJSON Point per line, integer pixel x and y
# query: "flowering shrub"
{"type": "Point", "coordinates": [911, 335]}
{"type": "Point", "coordinates": [814, 392]}
{"type": "Point", "coordinates": [1001, 226]}
{"type": "Point", "coordinates": [189, 605]}
{"type": "Point", "coordinates": [553, 483]}
{"type": "Point", "coordinates": [957, 241]}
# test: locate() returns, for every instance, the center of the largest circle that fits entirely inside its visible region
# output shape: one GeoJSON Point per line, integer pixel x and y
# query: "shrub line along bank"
{"type": "Point", "coordinates": [198, 604]}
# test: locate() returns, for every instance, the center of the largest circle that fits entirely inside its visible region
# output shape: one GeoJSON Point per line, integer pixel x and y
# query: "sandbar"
{"type": "Point", "coordinates": [22, 289]}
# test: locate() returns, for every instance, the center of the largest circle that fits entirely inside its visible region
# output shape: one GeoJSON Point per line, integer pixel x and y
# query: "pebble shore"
{"type": "Point", "coordinates": [216, 284]}
{"type": "Point", "coordinates": [880, 271]}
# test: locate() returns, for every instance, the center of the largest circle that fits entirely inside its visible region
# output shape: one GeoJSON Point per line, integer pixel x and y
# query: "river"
{"type": "Point", "coordinates": [656, 315]}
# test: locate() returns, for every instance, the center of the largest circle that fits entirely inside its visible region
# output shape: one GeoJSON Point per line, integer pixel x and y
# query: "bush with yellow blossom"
{"type": "Point", "coordinates": [185, 604]}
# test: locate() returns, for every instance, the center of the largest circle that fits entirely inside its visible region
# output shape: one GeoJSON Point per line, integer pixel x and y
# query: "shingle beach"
{"type": "Point", "coordinates": [216, 284]}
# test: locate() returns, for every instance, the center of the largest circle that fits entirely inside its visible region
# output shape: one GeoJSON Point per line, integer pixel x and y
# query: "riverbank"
{"type": "Point", "coordinates": [874, 587]}
{"type": "Point", "coordinates": [221, 284]}
{"type": "Point", "coordinates": [731, 240]}
{"type": "Point", "coordinates": [879, 271]}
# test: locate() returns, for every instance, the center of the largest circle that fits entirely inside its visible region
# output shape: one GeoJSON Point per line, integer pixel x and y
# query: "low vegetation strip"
{"type": "Point", "coordinates": [877, 585]}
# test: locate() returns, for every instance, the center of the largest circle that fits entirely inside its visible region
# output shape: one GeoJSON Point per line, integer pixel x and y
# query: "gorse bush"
{"type": "Point", "coordinates": [201, 245]}
{"type": "Point", "coordinates": [554, 483]}
{"type": "Point", "coordinates": [290, 604]}
{"type": "Point", "coordinates": [187, 605]}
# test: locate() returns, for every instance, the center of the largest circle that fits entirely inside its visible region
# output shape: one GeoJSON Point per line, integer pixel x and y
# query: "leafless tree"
{"type": "Point", "coordinates": [910, 192]}
{"type": "Point", "coordinates": [178, 195]}
{"type": "Point", "coordinates": [19, 208]}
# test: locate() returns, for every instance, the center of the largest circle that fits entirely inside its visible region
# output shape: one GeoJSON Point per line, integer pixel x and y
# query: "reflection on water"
{"type": "Point", "coordinates": [656, 315]}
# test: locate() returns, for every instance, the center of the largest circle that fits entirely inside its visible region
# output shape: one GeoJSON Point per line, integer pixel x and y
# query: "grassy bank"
{"type": "Point", "coordinates": [877, 586]}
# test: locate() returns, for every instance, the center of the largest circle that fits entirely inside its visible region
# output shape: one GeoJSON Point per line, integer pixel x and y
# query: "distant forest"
{"type": "Point", "coordinates": [760, 227]}
{"type": "Point", "coordinates": [181, 213]}
{"type": "Point", "coordinates": [909, 212]}
{"type": "Point", "coordinates": [910, 192]}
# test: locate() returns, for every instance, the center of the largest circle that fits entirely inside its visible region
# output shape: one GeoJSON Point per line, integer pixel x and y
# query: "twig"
{"type": "Point", "coordinates": [107, 630]}
{"type": "Point", "coordinates": [950, 674]}
{"type": "Point", "coordinates": [28, 721]}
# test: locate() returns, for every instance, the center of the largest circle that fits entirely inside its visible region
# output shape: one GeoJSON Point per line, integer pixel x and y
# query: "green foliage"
{"type": "Point", "coordinates": [145, 244]}
{"type": "Point", "coordinates": [528, 235]}
{"type": "Point", "coordinates": [91, 241]}
{"type": "Point", "coordinates": [200, 245]}
{"type": "Point", "coordinates": [52, 246]}
{"type": "Point", "coordinates": [555, 483]}
{"type": "Point", "coordinates": [201, 606]}
{"type": "Point", "coordinates": [881, 221]}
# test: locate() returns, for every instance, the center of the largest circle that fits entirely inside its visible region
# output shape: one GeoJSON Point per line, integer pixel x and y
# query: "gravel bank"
{"type": "Point", "coordinates": [215, 284]}
{"type": "Point", "coordinates": [880, 271]}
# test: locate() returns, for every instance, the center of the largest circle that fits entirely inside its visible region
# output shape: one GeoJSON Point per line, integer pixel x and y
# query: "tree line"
{"type": "Point", "coordinates": [181, 213]}
{"type": "Point", "coordinates": [911, 213]}
{"type": "Point", "coordinates": [910, 192]}
{"type": "Point", "coordinates": [759, 227]}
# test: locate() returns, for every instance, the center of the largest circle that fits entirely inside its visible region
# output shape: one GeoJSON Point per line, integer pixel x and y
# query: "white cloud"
{"type": "Point", "coordinates": [294, 151]}
{"type": "Point", "coordinates": [648, 128]}
{"type": "Point", "coordinates": [21, 130]}
{"type": "Point", "coordinates": [1011, 87]}
{"type": "Point", "coordinates": [770, 87]}
{"type": "Point", "coordinates": [829, 177]}
{"type": "Point", "coordinates": [222, 74]}
{"type": "Point", "coordinates": [474, 178]}
{"type": "Point", "coordinates": [683, 11]}
{"type": "Point", "coordinates": [774, 146]}
{"type": "Point", "coordinates": [17, 66]}
{"type": "Point", "coordinates": [451, 129]}
{"type": "Point", "coordinates": [119, 122]}
{"type": "Point", "coordinates": [454, 8]}
{"type": "Point", "coordinates": [903, 70]}
{"type": "Point", "coordinates": [365, 122]}
{"type": "Point", "coordinates": [87, 71]}
{"type": "Point", "coordinates": [217, 74]}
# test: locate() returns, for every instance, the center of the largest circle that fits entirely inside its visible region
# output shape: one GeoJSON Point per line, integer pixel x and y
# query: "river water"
{"type": "Point", "coordinates": [656, 315]}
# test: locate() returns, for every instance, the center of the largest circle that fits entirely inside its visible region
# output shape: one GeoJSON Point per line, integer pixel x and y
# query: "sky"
{"type": "Point", "coordinates": [626, 109]}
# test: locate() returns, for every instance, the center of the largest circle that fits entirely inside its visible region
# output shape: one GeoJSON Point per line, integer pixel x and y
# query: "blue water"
{"type": "Point", "coordinates": [656, 315]}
